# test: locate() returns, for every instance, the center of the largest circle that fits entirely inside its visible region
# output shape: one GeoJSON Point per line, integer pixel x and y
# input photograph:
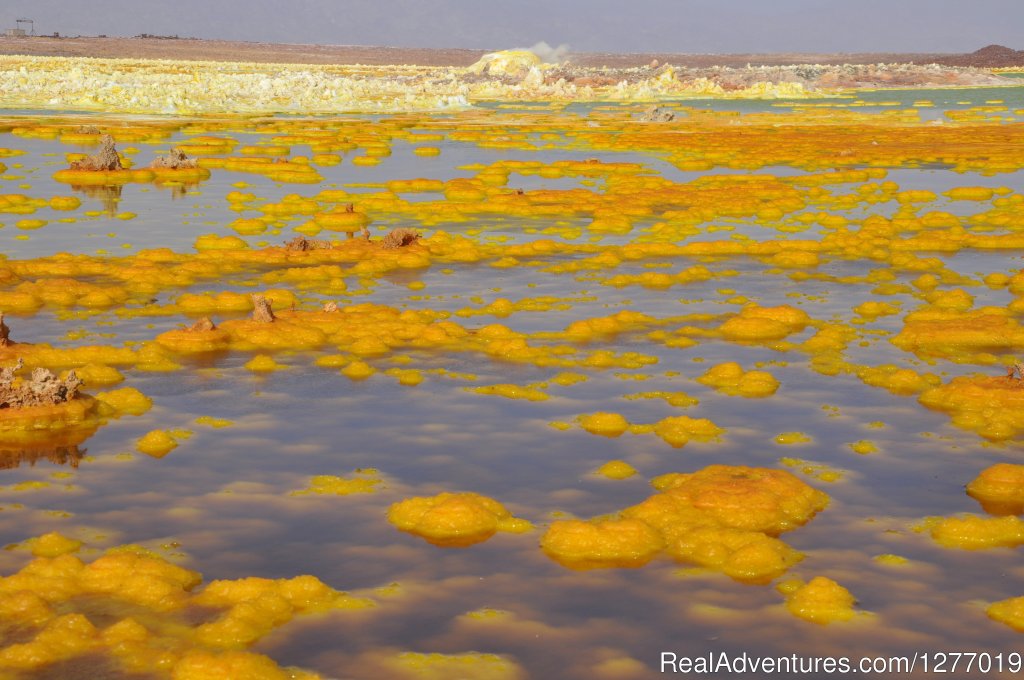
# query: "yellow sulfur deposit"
{"type": "Point", "coordinates": [816, 470]}
{"type": "Point", "coordinates": [52, 544]}
{"type": "Point", "coordinates": [958, 334]}
{"type": "Point", "coordinates": [677, 431]}
{"type": "Point", "coordinates": [194, 341]}
{"type": "Point", "coordinates": [723, 518]}
{"type": "Point", "coordinates": [126, 400]}
{"type": "Point", "coordinates": [214, 422]}
{"type": "Point", "coordinates": [1000, 489]}
{"type": "Point", "coordinates": [454, 519]}
{"type": "Point", "coordinates": [863, 447]}
{"type": "Point", "coordinates": [616, 469]}
{"type": "Point", "coordinates": [900, 381]}
{"type": "Point", "coordinates": [358, 370]}
{"type": "Point", "coordinates": [792, 438]}
{"type": "Point", "coordinates": [604, 424]}
{"type": "Point", "coordinates": [821, 600]}
{"type": "Point", "coordinates": [602, 543]}
{"type": "Point", "coordinates": [1010, 612]}
{"type": "Point", "coordinates": [731, 379]}
{"type": "Point", "coordinates": [763, 324]}
{"type": "Point", "coordinates": [156, 443]}
{"type": "Point", "coordinates": [146, 626]}
{"type": "Point", "coordinates": [70, 421]}
{"type": "Point", "coordinates": [755, 499]}
{"type": "Point", "coordinates": [971, 532]}
{"type": "Point", "coordinates": [511, 391]}
{"type": "Point", "coordinates": [989, 406]}
{"type": "Point", "coordinates": [263, 363]}
{"type": "Point", "coordinates": [364, 481]}
{"type": "Point", "coordinates": [98, 375]}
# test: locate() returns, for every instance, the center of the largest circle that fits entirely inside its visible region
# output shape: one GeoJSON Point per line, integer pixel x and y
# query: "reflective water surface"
{"type": "Point", "coordinates": [221, 502]}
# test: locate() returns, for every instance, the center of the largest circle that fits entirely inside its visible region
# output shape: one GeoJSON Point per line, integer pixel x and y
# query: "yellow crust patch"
{"type": "Point", "coordinates": [454, 519]}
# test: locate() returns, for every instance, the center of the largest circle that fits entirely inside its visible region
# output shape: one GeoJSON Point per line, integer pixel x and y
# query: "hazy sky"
{"type": "Point", "coordinates": [702, 26]}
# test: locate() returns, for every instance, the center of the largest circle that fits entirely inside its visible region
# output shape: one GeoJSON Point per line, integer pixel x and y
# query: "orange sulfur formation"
{"type": "Point", "coordinates": [723, 517]}
{"type": "Point", "coordinates": [764, 324]}
{"type": "Point", "coordinates": [821, 600]}
{"type": "Point", "coordinates": [1000, 489]}
{"type": "Point", "coordinates": [989, 406]}
{"type": "Point", "coordinates": [52, 601]}
{"type": "Point", "coordinates": [454, 519]}
{"type": "Point", "coordinates": [731, 379]}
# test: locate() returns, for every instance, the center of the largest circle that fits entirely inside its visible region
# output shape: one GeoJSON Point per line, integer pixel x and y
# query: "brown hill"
{"type": "Point", "coordinates": [991, 56]}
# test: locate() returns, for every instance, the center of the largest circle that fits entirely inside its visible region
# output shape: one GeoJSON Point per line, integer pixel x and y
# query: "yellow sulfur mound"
{"type": "Point", "coordinates": [959, 335]}
{"type": "Point", "coordinates": [1000, 489]}
{"type": "Point", "coordinates": [763, 324]}
{"type": "Point", "coordinates": [723, 518]}
{"type": "Point", "coordinates": [740, 497]}
{"type": "Point", "coordinates": [1010, 612]}
{"type": "Point", "coordinates": [679, 430]}
{"type": "Point", "coordinates": [602, 543]}
{"type": "Point", "coordinates": [747, 556]}
{"type": "Point", "coordinates": [971, 532]}
{"type": "Point", "coordinates": [730, 378]}
{"type": "Point", "coordinates": [126, 400]}
{"type": "Point", "coordinates": [146, 623]}
{"type": "Point", "coordinates": [510, 391]}
{"type": "Point", "coordinates": [993, 407]}
{"type": "Point", "coordinates": [156, 443]}
{"type": "Point", "coordinates": [201, 665]}
{"type": "Point", "coordinates": [52, 544]}
{"type": "Point", "coordinates": [454, 519]}
{"type": "Point", "coordinates": [616, 469]}
{"type": "Point", "coordinates": [364, 481]}
{"type": "Point", "coordinates": [821, 600]}
{"type": "Point", "coordinates": [99, 375]}
{"type": "Point", "coordinates": [604, 424]}
{"type": "Point", "coordinates": [899, 381]}
{"type": "Point", "coordinates": [263, 363]}
{"type": "Point", "coordinates": [189, 341]}
{"type": "Point", "coordinates": [70, 420]}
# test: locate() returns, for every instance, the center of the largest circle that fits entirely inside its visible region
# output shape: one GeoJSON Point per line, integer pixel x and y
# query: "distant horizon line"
{"type": "Point", "coordinates": [153, 36]}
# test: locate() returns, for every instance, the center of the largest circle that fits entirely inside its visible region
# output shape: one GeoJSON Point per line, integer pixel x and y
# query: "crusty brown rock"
{"type": "Point", "coordinates": [399, 238]}
{"type": "Point", "coordinates": [175, 160]}
{"type": "Point", "coordinates": [657, 114]}
{"type": "Point", "coordinates": [331, 306]}
{"type": "Point", "coordinates": [104, 159]}
{"type": "Point", "coordinates": [261, 312]}
{"type": "Point", "coordinates": [303, 243]}
{"type": "Point", "coordinates": [204, 324]}
{"type": "Point", "coordinates": [41, 389]}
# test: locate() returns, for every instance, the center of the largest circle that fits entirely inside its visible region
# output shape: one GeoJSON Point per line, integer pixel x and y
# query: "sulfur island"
{"type": "Point", "coordinates": [505, 371]}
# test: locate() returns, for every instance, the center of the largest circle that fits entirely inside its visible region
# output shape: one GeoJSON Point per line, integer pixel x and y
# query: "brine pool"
{"type": "Point", "coordinates": [540, 224]}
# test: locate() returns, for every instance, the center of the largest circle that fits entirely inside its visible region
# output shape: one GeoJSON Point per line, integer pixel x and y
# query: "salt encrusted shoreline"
{"type": "Point", "coordinates": [173, 87]}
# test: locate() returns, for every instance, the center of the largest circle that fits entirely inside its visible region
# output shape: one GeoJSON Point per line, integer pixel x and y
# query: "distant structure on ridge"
{"type": "Point", "coordinates": [20, 32]}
